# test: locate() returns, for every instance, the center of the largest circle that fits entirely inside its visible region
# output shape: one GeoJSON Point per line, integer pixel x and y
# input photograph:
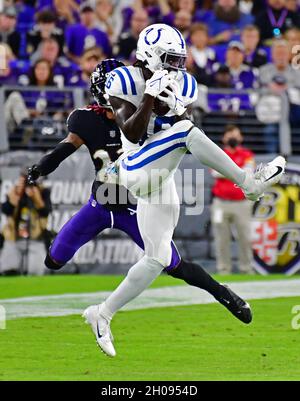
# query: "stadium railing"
{"type": "Point", "coordinates": [43, 131]}
{"type": "Point", "coordinates": [214, 109]}
{"type": "Point", "coordinates": [218, 107]}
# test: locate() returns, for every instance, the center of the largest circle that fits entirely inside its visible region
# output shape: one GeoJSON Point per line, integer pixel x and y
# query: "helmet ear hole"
{"type": "Point", "coordinates": [98, 79]}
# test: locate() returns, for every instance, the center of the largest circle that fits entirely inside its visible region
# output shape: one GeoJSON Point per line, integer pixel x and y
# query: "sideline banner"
{"type": "Point", "coordinates": [276, 226]}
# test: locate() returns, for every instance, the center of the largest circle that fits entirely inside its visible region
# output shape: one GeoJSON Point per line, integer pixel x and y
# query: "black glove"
{"type": "Point", "coordinates": [33, 174]}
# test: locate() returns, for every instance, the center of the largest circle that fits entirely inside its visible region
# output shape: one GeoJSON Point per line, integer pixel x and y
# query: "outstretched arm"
{"type": "Point", "coordinates": [51, 161]}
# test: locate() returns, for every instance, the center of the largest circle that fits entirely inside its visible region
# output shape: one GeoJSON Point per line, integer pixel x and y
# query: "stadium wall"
{"type": "Point", "coordinates": [112, 252]}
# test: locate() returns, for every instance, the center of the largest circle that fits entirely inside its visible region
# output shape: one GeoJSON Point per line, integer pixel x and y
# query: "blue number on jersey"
{"type": "Point", "coordinates": [163, 122]}
{"type": "Point", "coordinates": [110, 80]}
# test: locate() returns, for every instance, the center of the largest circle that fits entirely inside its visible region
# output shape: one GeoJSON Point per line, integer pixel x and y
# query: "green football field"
{"type": "Point", "coordinates": [191, 342]}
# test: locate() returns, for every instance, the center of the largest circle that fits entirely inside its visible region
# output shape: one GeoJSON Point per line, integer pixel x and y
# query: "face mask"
{"type": "Point", "coordinates": [232, 142]}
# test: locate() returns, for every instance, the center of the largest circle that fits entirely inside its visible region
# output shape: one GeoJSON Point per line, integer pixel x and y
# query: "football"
{"type": "Point", "coordinates": [161, 108]}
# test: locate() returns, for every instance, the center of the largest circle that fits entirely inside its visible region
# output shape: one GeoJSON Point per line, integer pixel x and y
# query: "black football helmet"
{"type": "Point", "coordinates": [98, 78]}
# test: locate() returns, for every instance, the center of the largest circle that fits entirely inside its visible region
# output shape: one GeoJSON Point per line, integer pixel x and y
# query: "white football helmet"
{"type": "Point", "coordinates": [161, 47]}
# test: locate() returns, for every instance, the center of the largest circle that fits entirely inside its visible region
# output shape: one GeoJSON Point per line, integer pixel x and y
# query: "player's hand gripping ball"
{"type": "Point", "coordinates": [160, 107]}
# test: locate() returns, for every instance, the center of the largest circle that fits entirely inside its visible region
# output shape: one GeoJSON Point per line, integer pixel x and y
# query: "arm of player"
{"type": "Point", "coordinates": [133, 121]}
{"type": "Point", "coordinates": [51, 161]}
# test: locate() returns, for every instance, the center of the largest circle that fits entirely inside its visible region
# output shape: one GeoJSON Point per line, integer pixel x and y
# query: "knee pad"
{"type": "Point", "coordinates": [51, 264]}
{"type": "Point", "coordinates": [143, 267]}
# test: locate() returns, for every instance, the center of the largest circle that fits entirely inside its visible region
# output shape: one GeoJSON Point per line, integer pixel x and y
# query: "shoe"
{"type": "Point", "coordinates": [101, 329]}
{"type": "Point", "coordinates": [255, 185]}
{"type": "Point", "coordinates": [236, 305]}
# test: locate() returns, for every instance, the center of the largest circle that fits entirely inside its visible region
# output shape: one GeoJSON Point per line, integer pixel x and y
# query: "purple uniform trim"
{"type": "Point", "coordinates": [78, 38]}
{"type": "Point", "coordinates": [90, 221]}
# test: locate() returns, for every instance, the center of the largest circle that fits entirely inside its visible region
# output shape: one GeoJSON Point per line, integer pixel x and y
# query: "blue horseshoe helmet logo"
{"type": "Point", "coordinates": [156, 40]}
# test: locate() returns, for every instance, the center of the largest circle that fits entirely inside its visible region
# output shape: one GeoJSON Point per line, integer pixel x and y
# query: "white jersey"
{"type": "Point", "coordinates": [128, 83]}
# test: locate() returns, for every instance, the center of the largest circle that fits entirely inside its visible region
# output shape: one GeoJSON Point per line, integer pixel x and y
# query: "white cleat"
{"type": "Point", "coordinates": [101, 329]}
{"type": "Point", "coordinates": [256, 184]}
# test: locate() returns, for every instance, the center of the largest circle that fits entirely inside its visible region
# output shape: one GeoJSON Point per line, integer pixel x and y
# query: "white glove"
{"type": "Point", "coordinates": [174, 99]}
{"type": "Point", "coordinates": [158, 83]}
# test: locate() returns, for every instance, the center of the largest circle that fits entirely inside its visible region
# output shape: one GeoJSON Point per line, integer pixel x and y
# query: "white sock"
{"type": "Point", "coordinates": [138, 278]}
{"type": "Point", "coordinates": [211, 155]}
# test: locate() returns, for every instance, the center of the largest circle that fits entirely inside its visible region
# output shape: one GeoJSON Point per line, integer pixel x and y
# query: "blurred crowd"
{"type": "Point", "coordinates": [233, 44]}
{"type": "Point", "coordinates": [236, 44]}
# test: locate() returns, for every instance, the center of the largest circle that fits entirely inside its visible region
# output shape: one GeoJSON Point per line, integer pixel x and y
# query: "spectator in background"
{"type": "Point", "coordinates": [27, 209]}
{"type": "Point", "coordinates": [170, 9]}
{"type": "Point", "coordinates": [45, 107]}
{"type": "Point", "coordinates": [242, 76]}
{"type": "Point", "coordinates": [151, 7]}
{"type": "Point", "coordinates": [202, 57]}
{"type": "Point", "coordinates": [89, 60]}
{"type": "Point", "coordinates": [258, 6]}
{"type": "Point", "coordinates": [82, 36]}
{"type": "Point", "coordinates": [44, 28]}
{"type": "Point", "coordinates": [8, 75]}
{"type": "Point", "coordinates": [26, 14]}
{"type": "Point", "coordinates": [226, 21]}
{"type": "Point", "coordinates": [280, 66]}
{"type": "Point", "coordinates": [126, 44]}
{"type": "Point", "coordinates": [292, 36]}
{"type": "Point", "coordinates": [40, 104]}
{"type": "Point", "coordinates": [292, 5]}
{"type": "Point", "coordinates": [275, 19]}
{"type": "Point", "coordinates": [254, 56]}
{"type": "Point", "coordinates": [8, 33]}
{"type": "Point", "coordinates": [62, 67]}
{"type": "Point", "coordinates": [200, 10]}
{"type": "Point", "coordinates": [246, 6]}
{"type": "Point", "coordinates": [230, 208]}
{"type": "Point", "coordinates": [276, 79]}
{"type": "Point", "coordinates": [222, 78]}
{"type": "Point", "coordinates": [104, 12]}
{"type": "Point", "coordinates": [41, 74]}
{"type": "Point", "coordinates": [183, 22]}
{"type": "Point", "coordinates": [188, 5]}
{"type": "Point", "coordinates": [66, 12]}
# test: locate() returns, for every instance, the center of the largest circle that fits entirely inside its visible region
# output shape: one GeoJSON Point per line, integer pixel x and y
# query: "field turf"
{"type": "Point", "coordinates": [198, 342]}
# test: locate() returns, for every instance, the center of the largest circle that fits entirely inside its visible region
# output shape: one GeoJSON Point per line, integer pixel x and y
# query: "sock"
{"type": "Point", "coordinates": [195, 275]}
{"type": "Point", "coordinates": [211, 155]}
{"type": "Point", "coordinates": [138, 278]}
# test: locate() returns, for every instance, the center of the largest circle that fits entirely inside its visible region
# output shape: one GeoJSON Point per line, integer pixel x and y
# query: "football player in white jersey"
{"type": "Point", "coordinates": [153, 148]}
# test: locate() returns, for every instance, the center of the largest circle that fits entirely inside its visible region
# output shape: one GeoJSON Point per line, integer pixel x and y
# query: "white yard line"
{"type": "Point", "coordinates": [70, 304]}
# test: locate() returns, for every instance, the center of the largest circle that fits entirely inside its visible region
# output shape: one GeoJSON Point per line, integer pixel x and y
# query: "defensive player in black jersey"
{"type": "Point", "coordinates": [95, 127]}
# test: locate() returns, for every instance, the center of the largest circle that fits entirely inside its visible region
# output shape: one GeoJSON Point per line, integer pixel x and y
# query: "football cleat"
{"type": "Point", "coordinates": [236, 305]}
{"type": "Point", "coordinates": [256, 184]}
{"type": "Point", "coordinates": [101, 329]}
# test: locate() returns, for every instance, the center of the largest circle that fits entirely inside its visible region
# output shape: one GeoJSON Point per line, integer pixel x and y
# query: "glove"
{"type": "Point", "coordinates": [33, 174]}
{"type": "Point", "coordinates": [158, 83]}
{"type": "Point", "coordinates": [173, 99]}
